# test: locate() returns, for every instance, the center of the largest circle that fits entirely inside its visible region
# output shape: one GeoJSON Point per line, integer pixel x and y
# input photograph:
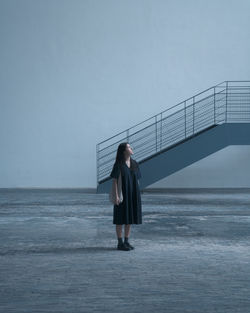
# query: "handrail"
{"type": "Point", "coordinates": [161, 112]}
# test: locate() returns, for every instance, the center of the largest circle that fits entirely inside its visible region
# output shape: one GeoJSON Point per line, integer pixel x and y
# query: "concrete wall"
{"type": "Point", "coordinates": [72, 73]}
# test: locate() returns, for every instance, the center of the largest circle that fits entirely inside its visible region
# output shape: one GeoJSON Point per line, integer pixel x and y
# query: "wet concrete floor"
{"type": "Point", "coordinates": [58, 253]}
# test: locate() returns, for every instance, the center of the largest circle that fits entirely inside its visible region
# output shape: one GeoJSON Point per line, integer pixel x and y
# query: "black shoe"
{"type": "Point", "coordinates": [122, 247]}
{"type": "Point", "coordinates": [127, 244]}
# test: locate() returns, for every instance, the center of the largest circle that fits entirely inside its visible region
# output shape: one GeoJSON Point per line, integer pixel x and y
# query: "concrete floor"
{"type": "Point", "coordinates": [58, 253]}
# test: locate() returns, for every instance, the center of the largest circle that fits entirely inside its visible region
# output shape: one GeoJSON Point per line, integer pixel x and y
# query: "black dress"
{"type": "Point", "coordinates": [128, 211]}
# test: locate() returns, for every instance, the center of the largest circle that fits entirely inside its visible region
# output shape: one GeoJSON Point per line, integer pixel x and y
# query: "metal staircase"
{"type": "Point", "coordinates": [183, 134]}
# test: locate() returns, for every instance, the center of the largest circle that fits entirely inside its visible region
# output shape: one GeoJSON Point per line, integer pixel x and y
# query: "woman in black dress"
{"type": "Point", "coordinates": [128, 211]}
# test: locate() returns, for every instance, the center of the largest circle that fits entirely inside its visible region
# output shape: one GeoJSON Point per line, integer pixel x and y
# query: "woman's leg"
{"type": "Point", "coordinates": [119, 230]}
{"type": "Point", "coordinates": [127, 230]}
{"type": "Point", "coordinates": [120, 245]}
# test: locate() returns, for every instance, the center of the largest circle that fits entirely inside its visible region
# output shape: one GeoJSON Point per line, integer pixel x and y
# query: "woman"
{"type": "Point", "coordinates": [129, 210]}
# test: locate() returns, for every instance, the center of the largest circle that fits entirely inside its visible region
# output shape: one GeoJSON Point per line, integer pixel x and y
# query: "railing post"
{"type": "Point", "coordinates": [156, 133]}
{"type": "Point", "coordinates": [97, 164]}
{"type": "Point", "coordinates": [193, 113]}
{"type": "Point", "coordinates": [161, 133]}
{"type": "Point", "coordinates": [226, 100]}
{"type": "Point", "coordinates": [214, 107]}
{"type": "Point", "coordinates": [185, 119]}
{"type": "Point", "coordinates": [128, 135]}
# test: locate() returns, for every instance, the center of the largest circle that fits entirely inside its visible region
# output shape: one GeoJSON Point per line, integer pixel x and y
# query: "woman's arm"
{"type": "Point", "coordinates": [116, 186]}
{"type": "Point", "coordinates": [115, 181]}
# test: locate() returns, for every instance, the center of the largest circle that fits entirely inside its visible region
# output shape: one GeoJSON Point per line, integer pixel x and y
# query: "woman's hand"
{"type": "Point", "coordinates": [117, 201]}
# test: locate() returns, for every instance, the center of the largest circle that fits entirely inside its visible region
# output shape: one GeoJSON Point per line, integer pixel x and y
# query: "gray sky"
{"type": "Point", "coordinates": [73, 71]}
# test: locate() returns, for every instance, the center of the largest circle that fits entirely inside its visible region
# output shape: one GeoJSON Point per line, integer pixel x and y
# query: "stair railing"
{"type": "Point", "coordinates": [226, 102]}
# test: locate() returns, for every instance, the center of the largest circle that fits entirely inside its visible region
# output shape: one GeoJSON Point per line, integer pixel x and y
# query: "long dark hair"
{"type": "Point", "coordinates": [120, 159]}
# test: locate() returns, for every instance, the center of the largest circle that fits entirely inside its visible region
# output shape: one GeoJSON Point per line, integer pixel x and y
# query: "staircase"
{"type": "Point", "coordinates": [181, 135]}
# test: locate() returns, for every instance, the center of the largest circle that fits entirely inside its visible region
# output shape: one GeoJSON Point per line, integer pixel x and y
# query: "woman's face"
{"type": "Point", "coordinates": [128, 150]}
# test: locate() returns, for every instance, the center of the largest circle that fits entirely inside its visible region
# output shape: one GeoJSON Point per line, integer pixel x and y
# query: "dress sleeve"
{"type": "Point", "coordinates": [138, 171]}
{"type": "Point", "coordinates": [115, 171]}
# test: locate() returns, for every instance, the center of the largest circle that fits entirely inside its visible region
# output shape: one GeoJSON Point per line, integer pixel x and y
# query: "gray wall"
{"type": "Point", "coordinates": [74, 73]}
